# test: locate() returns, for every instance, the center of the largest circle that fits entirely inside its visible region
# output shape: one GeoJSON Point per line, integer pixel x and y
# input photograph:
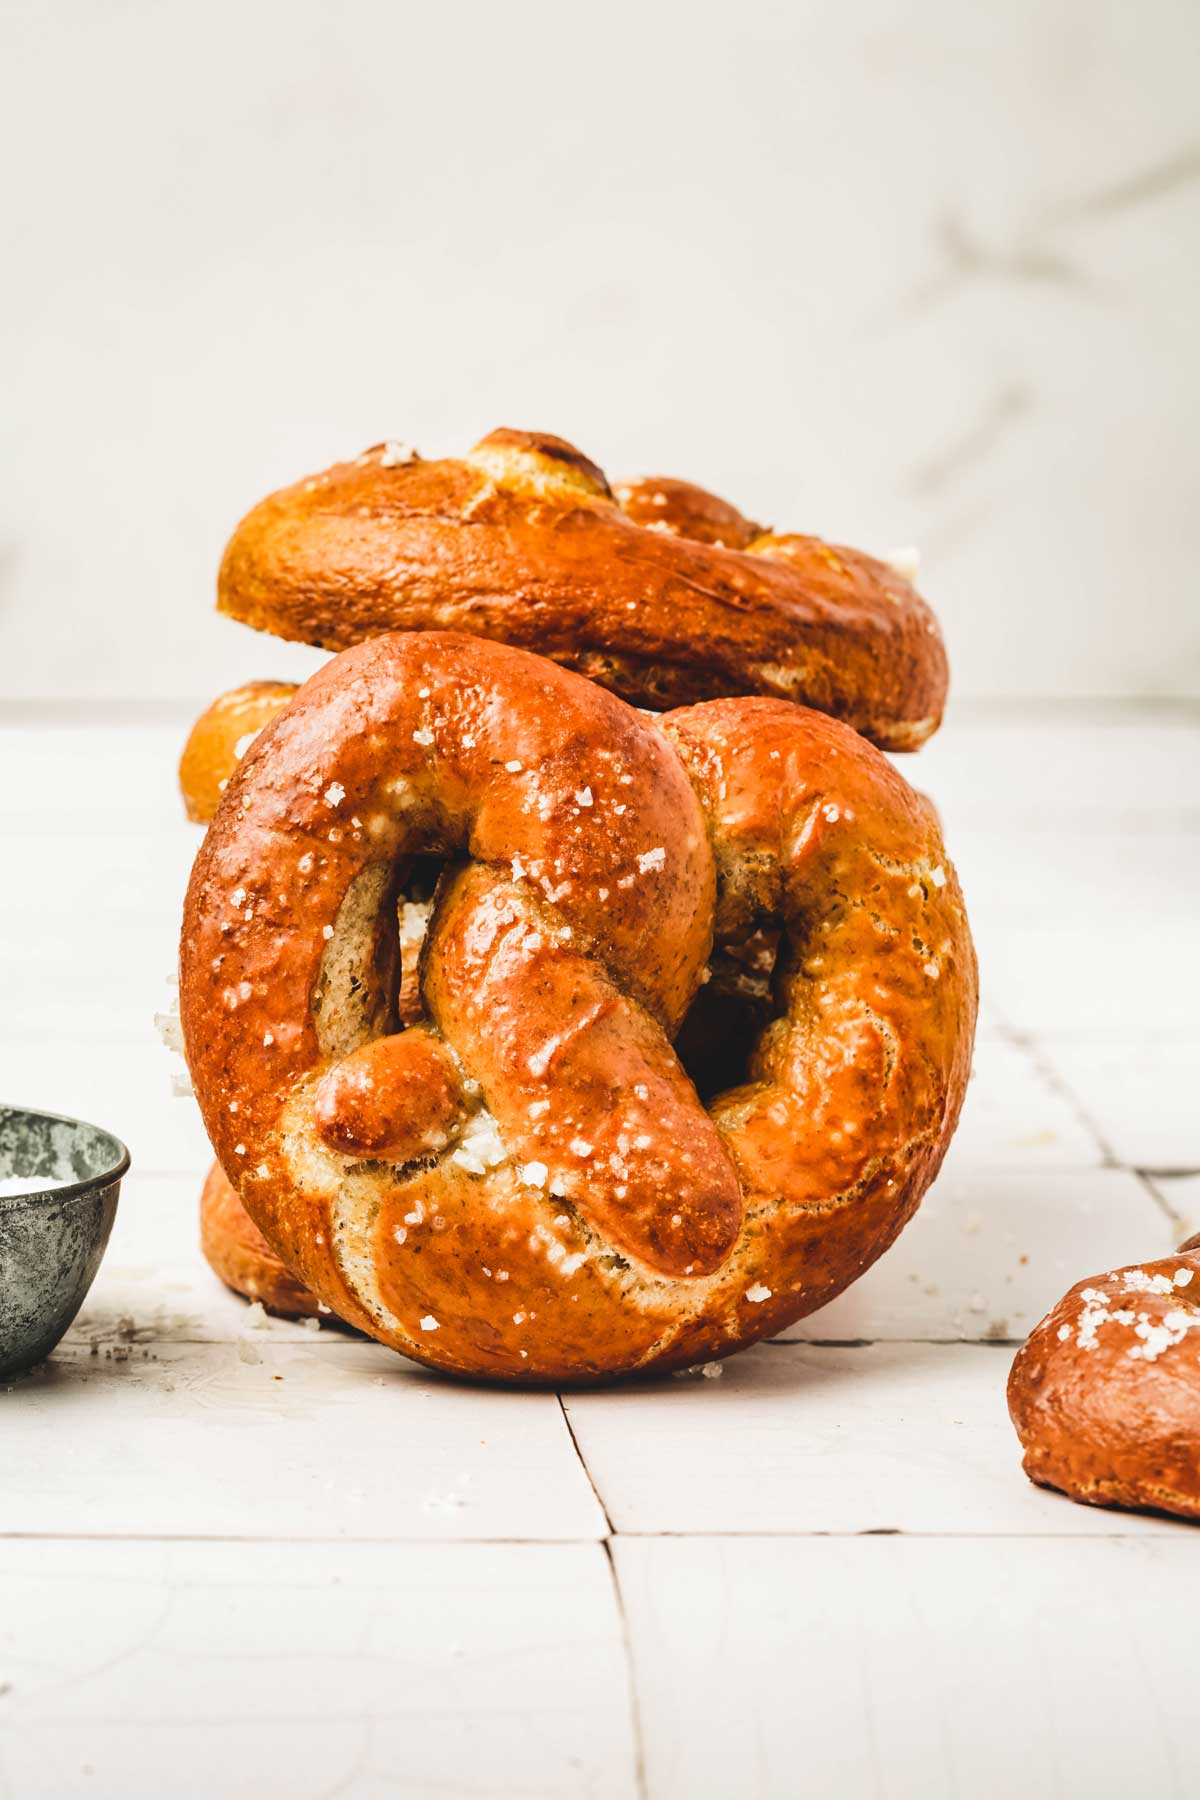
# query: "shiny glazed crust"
{"type": "Point", "coordinates": [237, 1251]}
{"type": "Point", "coordinates": [658, 590]}
{"type": "Point", "coordinates": [1105, 1393]}
{"type": "Point", "coordinates": [747, 869]}
{"type": "Point", "coordinates": [220, 738]}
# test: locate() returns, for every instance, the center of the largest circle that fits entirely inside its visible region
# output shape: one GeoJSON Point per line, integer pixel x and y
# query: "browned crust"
{"type": "Point", "coordinates": [220, 738]}
{"type": "Point", "coordinates": [663, 593]}
{"type": "Point", "coordinates": [1105, 1393]}
{"type": "Point", "coordinates": [605, 853]}
{"type": "Point", "coordinates": [237, 1251]}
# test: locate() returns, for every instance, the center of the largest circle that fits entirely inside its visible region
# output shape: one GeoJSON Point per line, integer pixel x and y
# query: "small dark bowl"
{"type": "Point", "coordinates": [51, 1237]}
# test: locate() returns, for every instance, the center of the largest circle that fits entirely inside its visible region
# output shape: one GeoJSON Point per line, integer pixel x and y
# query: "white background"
{"type": "Point", "coordinates": [890, 272]}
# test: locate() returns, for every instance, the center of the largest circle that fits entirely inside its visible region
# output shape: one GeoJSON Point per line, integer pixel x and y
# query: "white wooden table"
{"type": "Point", "coordinates": [244, 1561]}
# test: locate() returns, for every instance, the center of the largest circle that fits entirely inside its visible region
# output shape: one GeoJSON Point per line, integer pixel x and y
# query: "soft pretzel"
{"type": "Point", "coordinates": [237, 1251]}
{"type": "Point", "coordinates": [1105, 1393]}
{"type": "Point", "coordinates": [526, 1183]}
{"type": "Point", "coordinates": [220, 738]}
{"type": "Point", "coordinates": [658, 590]}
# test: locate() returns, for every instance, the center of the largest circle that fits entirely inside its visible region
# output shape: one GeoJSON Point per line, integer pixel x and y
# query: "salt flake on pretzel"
{"type": "Point", "coordinates": [525, 1182]}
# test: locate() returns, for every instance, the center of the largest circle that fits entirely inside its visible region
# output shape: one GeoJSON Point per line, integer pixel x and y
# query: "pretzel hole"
{"type": "Point", "coordinates": [370, 970]}
{"type": "Point", "coordinates": [394, 1091]}
{"type": "Point", "coordinates": [414, 907]}
{"type": "Point", "coordinates": [354, 999]}
{"type": "Point", "coordinates": [731, 1011]}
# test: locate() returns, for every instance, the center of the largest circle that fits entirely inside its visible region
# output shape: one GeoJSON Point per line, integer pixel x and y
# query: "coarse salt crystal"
{"type": "Point", "coordinates": [480, 1148]}
{"type": "Point", "coordinates": [757, 1294]}
{"type": "Point", "coordinates": [906, 562]}
{"type": "Point", "coordinates": [652, 859]}
{"type": "Point", "coordinates": [429, 1323]}
{"type": "Point", "coordinates": [423, 736]}
{"type": "Point", "coordinates": [1142, 1283]}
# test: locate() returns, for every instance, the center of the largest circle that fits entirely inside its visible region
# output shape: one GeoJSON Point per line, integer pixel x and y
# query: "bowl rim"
{"type": "Point", "coordinates": [74, 1190]}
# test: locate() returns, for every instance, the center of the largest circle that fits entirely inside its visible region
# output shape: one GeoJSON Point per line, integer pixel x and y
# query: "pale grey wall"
{"type": "Point", "coordinates": [893, 272]}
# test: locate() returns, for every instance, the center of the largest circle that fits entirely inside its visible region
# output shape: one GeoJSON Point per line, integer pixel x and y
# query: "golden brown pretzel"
{"type": "Point", "coordinates": [220, 738]}
{"type": "Point", "coordinates": [239, 1253]}
{"type": "Point", "coordinates": [1105, 1393]}
{"type": "Point", "coordinates": [596, 1217]}
{"type": "Point", "coordinates": [661, 591]}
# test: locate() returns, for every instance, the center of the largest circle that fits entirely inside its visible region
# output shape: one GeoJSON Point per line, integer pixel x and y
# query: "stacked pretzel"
{"type": "Point", "coordinates": [569, 985]}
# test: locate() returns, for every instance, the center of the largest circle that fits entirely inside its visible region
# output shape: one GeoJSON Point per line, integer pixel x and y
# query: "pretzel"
{"type": "Point", "coordinates": [238, 1252]}
{"type": "Point", "coordinates": [220, 738]}
{"type": "Point", "coordinates": [658, 590]}
{"type": "Point", "coordinates": [526, 1184]}
{"type": "Point", "coordinates": [1105, 1393]}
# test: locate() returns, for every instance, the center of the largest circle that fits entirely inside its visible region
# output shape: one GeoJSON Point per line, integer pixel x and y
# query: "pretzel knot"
{"type": "Point", "coordinates": [535, 1176]}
